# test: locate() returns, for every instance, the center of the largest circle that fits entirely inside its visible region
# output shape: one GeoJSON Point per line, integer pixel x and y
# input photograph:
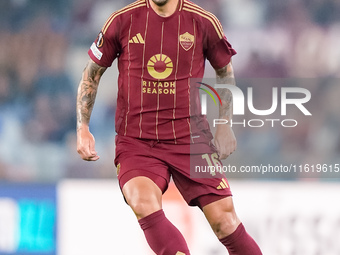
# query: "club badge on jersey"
{"type": "Point", "coordinates": [187, 41]}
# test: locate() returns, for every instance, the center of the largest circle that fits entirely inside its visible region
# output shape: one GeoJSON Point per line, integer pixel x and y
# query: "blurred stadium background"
{"type": "Point", "coordinates": [51, 202]}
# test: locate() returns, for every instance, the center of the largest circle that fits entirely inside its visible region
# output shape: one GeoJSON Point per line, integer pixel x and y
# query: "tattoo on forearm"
{"type": "Point", "coordinates": [225, 75]}
{"type": "Point", "coordinates": [87, 92]}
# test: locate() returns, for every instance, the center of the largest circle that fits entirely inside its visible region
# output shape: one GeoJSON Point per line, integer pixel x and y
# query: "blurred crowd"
{"type": "Point", "coordinates": [40, 66]}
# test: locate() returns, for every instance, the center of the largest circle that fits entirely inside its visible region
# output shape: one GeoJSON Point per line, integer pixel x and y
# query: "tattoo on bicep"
{"type": "Point", "coordinates": [225, 75]}
{"type": "Point", "coordinates": [87, 92]}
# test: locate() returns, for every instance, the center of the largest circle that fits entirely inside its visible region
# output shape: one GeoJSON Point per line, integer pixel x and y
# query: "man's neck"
{"type": "Point", "coordinates": [166, 10]}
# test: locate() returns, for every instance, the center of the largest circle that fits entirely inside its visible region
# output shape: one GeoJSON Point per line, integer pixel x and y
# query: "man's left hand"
{"type": "Point", "coordinates": [225, 141]}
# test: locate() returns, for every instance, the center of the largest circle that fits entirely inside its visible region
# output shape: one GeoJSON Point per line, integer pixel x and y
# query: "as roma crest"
{"type": "Point", "coordinates": [186, 40]}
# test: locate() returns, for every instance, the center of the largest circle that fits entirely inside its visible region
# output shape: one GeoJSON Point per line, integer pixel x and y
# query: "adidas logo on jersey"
{"type": "Point", "coordinates": [223, 184]}
{"type": "Point", "coordinates": [137, 39]}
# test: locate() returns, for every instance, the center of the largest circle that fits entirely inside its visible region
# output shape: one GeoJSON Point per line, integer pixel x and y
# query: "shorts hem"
{"type": "Point", "coordinates": [206, 199]}
{"type": "Point", "coordinates": [160, 181]}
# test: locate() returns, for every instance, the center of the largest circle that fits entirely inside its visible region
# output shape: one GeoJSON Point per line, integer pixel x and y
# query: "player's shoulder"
{"type": "Point", "coordinates": [208, 19]}
{"type": "Point", "coordinates": [133, 7]}
{"type": "Point", "coordinates": [197, 10]}
{"type": "Point", "coordinates": [126, 11]}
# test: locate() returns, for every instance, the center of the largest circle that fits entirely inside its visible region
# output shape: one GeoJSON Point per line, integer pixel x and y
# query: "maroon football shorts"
{"type": "Point", "coordinates": [159, 161]}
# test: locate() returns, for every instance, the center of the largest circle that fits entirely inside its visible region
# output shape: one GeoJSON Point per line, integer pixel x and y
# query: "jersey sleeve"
{"type": "Point", "coordinates": [106, 47]}
{"type": "Point", "coordinates": [217, 48]}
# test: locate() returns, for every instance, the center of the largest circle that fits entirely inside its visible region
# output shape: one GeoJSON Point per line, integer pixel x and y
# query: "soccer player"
{"type": "Point", "coordinates": [160, 46]}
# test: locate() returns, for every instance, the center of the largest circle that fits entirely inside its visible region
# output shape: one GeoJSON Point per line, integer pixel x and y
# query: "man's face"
{"type": "Point", "coordinates": [160, 2]}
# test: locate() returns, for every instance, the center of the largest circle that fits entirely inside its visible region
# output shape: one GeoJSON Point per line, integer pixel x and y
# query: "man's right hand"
{"type": "Point", "coordinates": [86, 145]}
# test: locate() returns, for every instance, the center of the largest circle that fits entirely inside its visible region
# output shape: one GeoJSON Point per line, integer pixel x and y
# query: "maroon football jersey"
{"type": "Point", "coordinates": [157, 56]}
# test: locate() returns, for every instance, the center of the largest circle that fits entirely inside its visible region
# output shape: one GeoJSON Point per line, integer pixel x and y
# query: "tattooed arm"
{"type": "Point", "coordinates": [225, 140]}
{"type": "Point", "coordinates": [87, 92]}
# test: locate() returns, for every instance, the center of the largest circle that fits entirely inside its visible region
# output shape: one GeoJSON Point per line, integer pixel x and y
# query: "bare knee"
{"type": "Point", "coordinates": [143, 196]}
{"type": "Point", "coordinates": [222, 217]}
{"type": "Point", "coordinates": [143, 206]}
{"type": "Point", "coordinates": [224, 225]}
